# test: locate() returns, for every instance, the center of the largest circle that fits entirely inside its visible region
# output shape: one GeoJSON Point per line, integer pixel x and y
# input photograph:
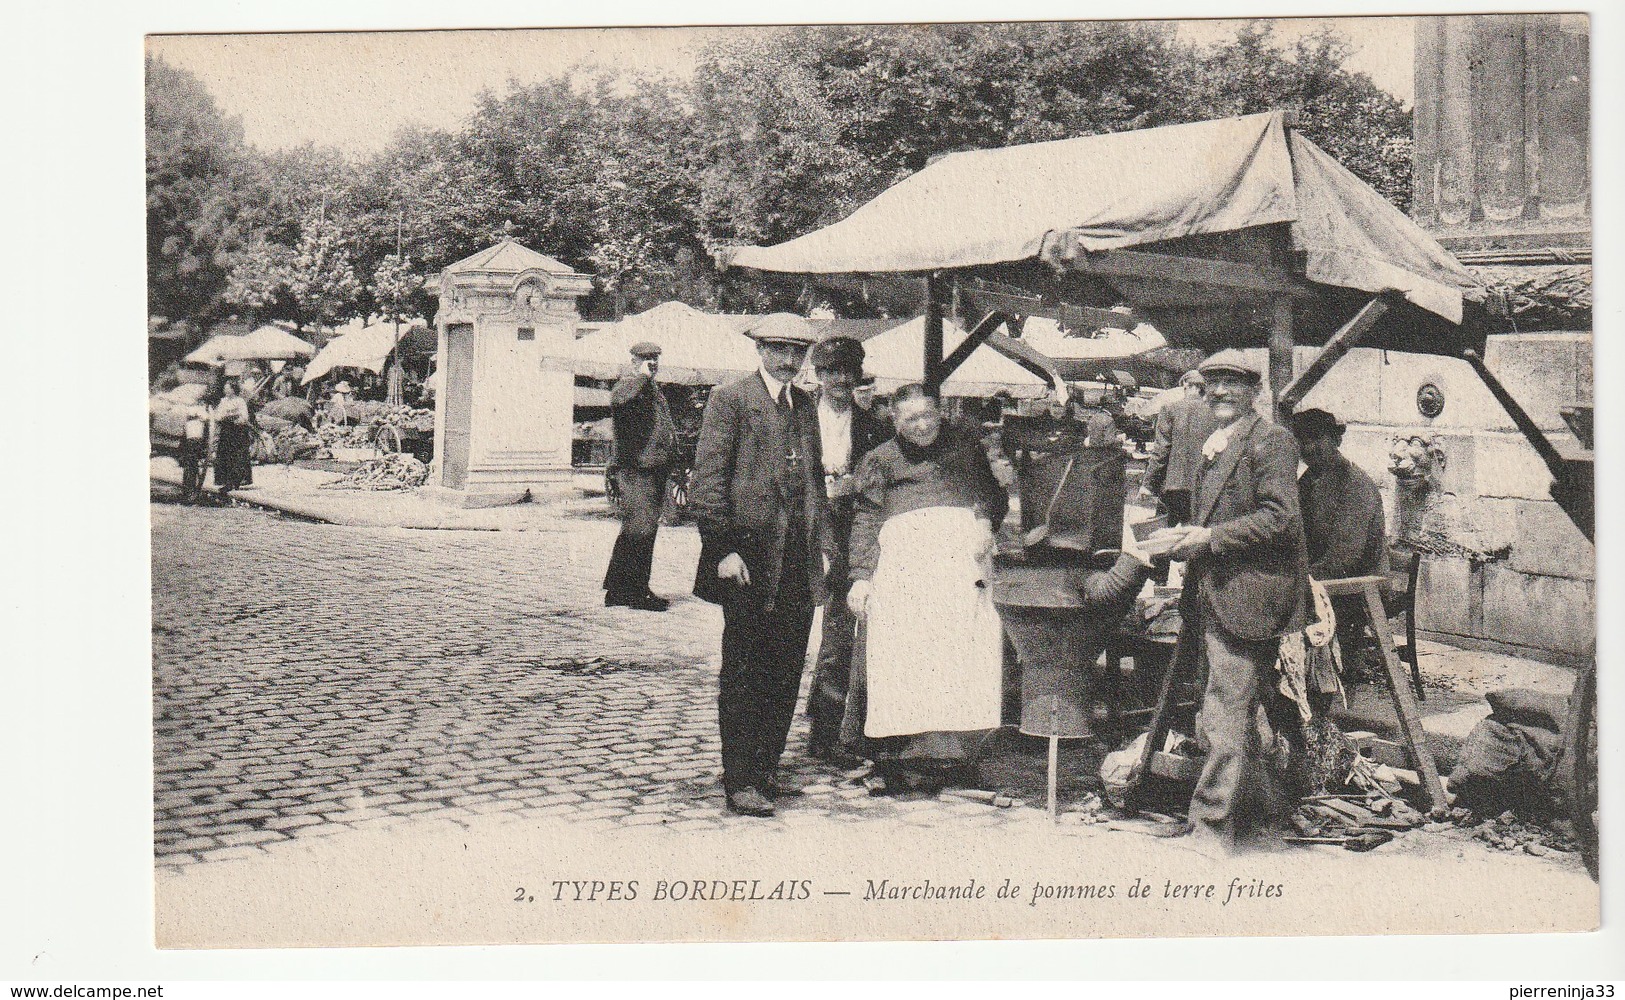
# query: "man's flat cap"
{"type": "Point", "coordinates": [844, 353]}
{"type": "Point", "coordinates": [782, 328]}
{"type": "Point", "coordinates": [1231, 362]}
{"type": "Point", "coordinates": [646, 349]}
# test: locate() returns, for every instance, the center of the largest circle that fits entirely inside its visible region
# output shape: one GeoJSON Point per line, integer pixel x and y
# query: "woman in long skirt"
{"type": "Point", "coordinates": [922, 547]}
{"type": "Point", "coordinates": [233, 463]}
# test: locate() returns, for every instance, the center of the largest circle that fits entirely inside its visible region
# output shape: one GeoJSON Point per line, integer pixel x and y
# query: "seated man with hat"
{"type": "Point", "coordinates": [645, 440]}
{"type": "Point", "coordinates": [758, 495]}
{"type": "Point", "coordinates": [1246, 585]}
{"type": "Point", "coordinates": [1342, 521]}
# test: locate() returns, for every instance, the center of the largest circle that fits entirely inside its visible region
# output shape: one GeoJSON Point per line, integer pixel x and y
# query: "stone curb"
{"type": "Point", "coordinates": [271, 501]}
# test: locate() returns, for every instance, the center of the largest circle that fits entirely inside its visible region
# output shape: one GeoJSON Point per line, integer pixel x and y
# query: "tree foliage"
{"type": "Point", "coordinates": [635, 178]}
{"type": "Point", "coordinates": [192, 148]}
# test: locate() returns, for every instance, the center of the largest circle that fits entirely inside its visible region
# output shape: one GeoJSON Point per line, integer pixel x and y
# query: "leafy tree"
{"type": "Point", "coordinates": [1343, 112]}
{"type": "Point", "coordinates": [636, 178]}
{"type": "Point", "coordinates": [423, 197]}
{"type": "Point", "coordinates": [257, 284]}
{"type": "Point", "coordinates": [321, 278]}
{"type": "Point", "coordinates": [191, 225]}
{"type": "Point", "coordinates": [394, 287]}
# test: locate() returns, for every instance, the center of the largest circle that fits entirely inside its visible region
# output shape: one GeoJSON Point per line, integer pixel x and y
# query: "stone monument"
{"type": "Point", "coordinates": [507, 322]}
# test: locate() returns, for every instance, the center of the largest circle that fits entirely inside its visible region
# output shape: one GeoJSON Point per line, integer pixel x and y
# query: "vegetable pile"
{"type": "Point", "coordinates": [392, 472]}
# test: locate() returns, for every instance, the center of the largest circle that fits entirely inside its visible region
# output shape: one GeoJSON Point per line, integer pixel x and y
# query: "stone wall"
{"type": "Point", "coordinates": [1539, 599]}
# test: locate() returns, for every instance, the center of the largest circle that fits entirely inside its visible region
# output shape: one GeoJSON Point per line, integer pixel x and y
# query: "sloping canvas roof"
{"type": "Point", "coordinates": [268, 343]}
{"type": "Point", "coordinates": [1134, 189]}
{"type": "Point", "coordinates": [697, 348]}
{"type": "Point", "coordinates": [359, 345]}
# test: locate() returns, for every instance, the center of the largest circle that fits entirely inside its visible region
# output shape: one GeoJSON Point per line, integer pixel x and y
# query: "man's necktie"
{"type": "Point", "coordinates": [784, 396]}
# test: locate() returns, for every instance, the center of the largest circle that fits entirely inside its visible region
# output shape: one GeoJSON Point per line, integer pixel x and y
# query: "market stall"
{"type": "Point", "coordinates": [698, 348]}
{"type": "Point", "coordinates": [1231, 233]}
{"type": "Point", "coordinates": [267, 343]}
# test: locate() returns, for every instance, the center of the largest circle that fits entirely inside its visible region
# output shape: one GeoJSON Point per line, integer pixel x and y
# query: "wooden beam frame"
{"type": "Point", "coordinates": [975, 338]}
{"type": "Point", "coordinates": [1280, 351]}
{"type": "Point", "coordinates": [1147, 266]}
{"type": "Point", "coordinates": [1027, 357]}
{"type": "Point", "coordinates": [1071, 317]}
{"type": "Point", "coordinates": [1340, 343]}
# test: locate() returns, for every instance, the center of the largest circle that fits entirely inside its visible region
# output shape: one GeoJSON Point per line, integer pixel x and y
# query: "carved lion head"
{"type": "Point", "coordinates": [1415, 459]}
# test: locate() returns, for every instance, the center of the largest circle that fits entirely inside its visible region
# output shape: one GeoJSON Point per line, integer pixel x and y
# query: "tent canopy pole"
{"type": "Point", "coordinates": [935, 375]}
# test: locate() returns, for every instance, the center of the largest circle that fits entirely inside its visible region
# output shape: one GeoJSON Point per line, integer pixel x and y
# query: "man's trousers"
{"type": "Point", "coordinates": [1236, 792]}
{"type": "Point", "coordinates": [763, 654]}
{"type": "Point", "coordinates": [643, 491]}
{"type": "Point", "coordinates": [826, 701]}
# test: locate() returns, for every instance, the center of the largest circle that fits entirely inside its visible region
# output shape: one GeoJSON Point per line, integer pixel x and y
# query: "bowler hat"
{"type": "Point", "coordinates": [1232, 362]}
{"type": "Point", "coordinates": [843, 353]}
{"type": "Point", "coordinates": [646, 349]}
{"type": "Point", "coordinates": [782, 328]}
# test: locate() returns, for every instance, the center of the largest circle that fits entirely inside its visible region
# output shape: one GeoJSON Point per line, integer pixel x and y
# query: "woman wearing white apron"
{"type": "Point", "coordinates": [921, 562]}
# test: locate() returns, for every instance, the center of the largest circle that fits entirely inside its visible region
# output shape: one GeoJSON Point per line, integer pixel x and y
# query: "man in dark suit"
{"type": "Point", "coordinates": [1246, 585]}
{"type": "Point", "coordinates": [846, 433]}
{"type": "Point", "coordinates": [758, 495]}
{"type": "Point", "coordinates": [645, 436]}
{"type": "Point", "coordinates": [1181, 428]}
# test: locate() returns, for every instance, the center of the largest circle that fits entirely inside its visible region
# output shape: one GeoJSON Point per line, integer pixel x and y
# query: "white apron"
{"type": "Point", "coordinates": [935, 649]}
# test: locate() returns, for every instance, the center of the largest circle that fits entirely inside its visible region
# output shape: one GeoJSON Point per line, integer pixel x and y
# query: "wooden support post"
{"type": "Point", "coordinates": [933, 373]}
{"type": "Point", "coordinates": [1339, 344]}
{"type": "Point", "coordinates": [1280, 350]}
{"type": "Point", "coordinates": [1399, 688]}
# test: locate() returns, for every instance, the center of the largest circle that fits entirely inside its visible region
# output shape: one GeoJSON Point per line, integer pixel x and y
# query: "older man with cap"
{"type": "Point", "coordinates": [645, 437]}
{"type": "Point", "coordinates": [1246, 585]}
{"type": "Point", "coordinates": [846, 433]}
{"type": "Point", "coordinates": [758, 495]}
{"type": "Point", "coordinates": [1181, 427]}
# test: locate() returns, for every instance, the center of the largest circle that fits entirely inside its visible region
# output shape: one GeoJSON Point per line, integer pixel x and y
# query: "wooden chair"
{"type": "Point", "coordinates": [1399, 599]}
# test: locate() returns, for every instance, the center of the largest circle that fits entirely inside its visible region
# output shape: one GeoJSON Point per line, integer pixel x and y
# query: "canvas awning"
{"type": "Point", "coordinates": [1182, 219]}
{"type": "Point", "coordinates": [360, 345]}
{"type": "Point", "coordinates": [697, 348]}
{"type": "Point", "coordinates": [268, 343]}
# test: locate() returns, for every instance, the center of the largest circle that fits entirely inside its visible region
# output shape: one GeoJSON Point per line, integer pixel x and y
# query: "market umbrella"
{"type": "Point", "coordinates": [697, 348]}
{"type": "Point", "coordinates": [268, 343]}
{"type": "Point", "coordinates": [358, 345]}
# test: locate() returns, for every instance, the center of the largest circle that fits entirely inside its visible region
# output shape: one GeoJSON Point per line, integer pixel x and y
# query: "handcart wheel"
{"type": "Point", "coordinates": [1580, 764]}
{"type": "Point", "coordinates": [388, 440]}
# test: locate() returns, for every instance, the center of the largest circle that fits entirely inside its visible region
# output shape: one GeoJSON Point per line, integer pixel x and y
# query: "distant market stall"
{"type": "Point", "coordinates": [267, 343]}
{"type": "Point", "coordinates": [368, 347]}
{"type": "Point", "coordinates": [697, 348]}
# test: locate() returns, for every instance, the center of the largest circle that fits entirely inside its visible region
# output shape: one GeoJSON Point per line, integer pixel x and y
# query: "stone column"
{"type": "Point", "coordinates": [507, 324]}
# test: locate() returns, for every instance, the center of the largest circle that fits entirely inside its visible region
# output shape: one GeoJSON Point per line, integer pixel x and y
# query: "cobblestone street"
{"type": "Point", "coordinates": [311, 678]}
